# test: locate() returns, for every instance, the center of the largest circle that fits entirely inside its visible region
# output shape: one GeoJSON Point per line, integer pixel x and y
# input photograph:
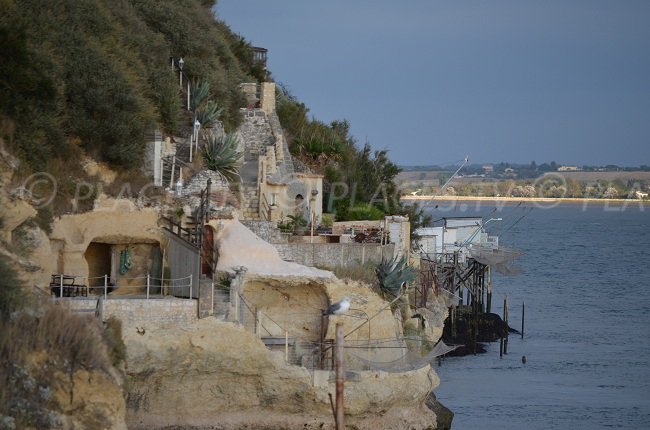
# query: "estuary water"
{"type": "Point", "coordinates": [586, 284]}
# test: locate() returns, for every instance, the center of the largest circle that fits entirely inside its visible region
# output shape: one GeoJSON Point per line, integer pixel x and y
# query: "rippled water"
{"type": "Point", "coordinates": [586, 283]}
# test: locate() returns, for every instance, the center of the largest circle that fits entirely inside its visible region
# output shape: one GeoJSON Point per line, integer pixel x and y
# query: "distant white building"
{"type": "Point", "coordinates": [640, 195]}
{"type": "Point", "coordinates": [568, 169]}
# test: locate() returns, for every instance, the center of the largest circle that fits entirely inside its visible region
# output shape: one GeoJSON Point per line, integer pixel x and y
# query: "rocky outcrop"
{"type": "Point", "coordinates": [213, 374]}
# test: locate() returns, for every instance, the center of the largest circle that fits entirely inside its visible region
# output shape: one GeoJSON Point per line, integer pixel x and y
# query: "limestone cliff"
{"type": "Point", "coordinates": [213, 373]}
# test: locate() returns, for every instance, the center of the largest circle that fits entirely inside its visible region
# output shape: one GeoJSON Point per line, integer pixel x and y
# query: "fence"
{"type": "Point", "coordinates": [72, 286]}
{"type": "Point", "coordinates": [390, 354]}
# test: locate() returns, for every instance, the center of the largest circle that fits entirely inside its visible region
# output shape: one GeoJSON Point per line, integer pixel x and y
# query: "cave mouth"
{"type": "Point", "coordinates": [98, 257]}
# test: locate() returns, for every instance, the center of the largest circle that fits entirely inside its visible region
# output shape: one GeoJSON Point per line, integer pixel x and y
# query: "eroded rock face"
{"type": "Point", "coordinates": [97, 402]}
{"type": "Point", "coordinates": [211, 373]}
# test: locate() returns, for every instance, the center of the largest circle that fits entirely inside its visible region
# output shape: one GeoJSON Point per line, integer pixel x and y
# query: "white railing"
{"type": "Point", "coordinates": [72, 286]}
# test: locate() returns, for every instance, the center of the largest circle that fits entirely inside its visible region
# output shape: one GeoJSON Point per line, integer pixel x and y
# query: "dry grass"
{"type": "Point", "coordinates": [358, 272]}
{"type": "Point", "coordinates": [68, 342]}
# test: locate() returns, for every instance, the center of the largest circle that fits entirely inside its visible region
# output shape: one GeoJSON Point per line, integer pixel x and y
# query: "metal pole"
{"type": "Point", "coordinates": [148, 283]}
{"type": "Point", "coordinates": [188, 95]}
{"type": "Point", "coordinates": [190, 286]}
{"type": "Point", "coordinates": [340, 377]}
{"type": "Point", "coordinates": [191, 146]}
{"type": "Point", "coordinates": [61, 286]}
{"type": "Point", "coordinates": [105, 286]}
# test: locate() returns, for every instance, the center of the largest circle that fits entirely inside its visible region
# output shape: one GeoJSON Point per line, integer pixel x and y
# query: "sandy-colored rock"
{"type": "Point", "coordinates": [213, 372]}
{"type": "Point", "coordinates": [15, 212]}
{"type": "Point", "coordinates": [238, 246]}
{"type": "Point", "coordinates": [96, 401]}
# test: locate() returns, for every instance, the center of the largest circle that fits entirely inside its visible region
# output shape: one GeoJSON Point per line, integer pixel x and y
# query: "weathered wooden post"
{"type": "Point", "coordinates": [148, 284]}
{"type": "Point", "coordinates": [61, 286]}
{"type": "Point", "coordinates": [523, 315]}
{"type": "Point", "coordinates": [340, 378]}
{"type": "Point", "coordinates": [105, 286]}
{"type": "Point", "coordinates": [505, 319]}
{"type": "Point", "coordinates": [489, 290]}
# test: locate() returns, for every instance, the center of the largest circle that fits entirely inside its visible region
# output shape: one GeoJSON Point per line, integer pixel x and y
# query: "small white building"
{"type": "Point", "coordinates": [455, 234]}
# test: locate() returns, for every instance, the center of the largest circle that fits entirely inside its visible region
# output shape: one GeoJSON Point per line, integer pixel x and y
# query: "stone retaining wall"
{"type": "Point", "coordinates": [266, 230]}
{"type": "Point", "coordinates": [334, 254]}
{"type": "Point", "coordinates": [134, 311]}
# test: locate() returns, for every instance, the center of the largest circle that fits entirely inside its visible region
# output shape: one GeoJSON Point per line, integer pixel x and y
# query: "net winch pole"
{"type": "Point", "coordinates": [340, 378]}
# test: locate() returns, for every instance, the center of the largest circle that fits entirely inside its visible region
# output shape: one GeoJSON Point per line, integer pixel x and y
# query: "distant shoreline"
{"type": "Point", "coordinates": [525, 199]}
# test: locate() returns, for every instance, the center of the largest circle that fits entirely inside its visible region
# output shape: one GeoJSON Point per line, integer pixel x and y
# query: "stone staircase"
{"type": "Point", "coordinates": [251, 201]}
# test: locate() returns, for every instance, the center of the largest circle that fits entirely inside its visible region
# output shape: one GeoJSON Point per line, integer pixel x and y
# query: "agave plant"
{"type": "Point", "coordinates": [220, 155]}
{"type": "Point", "coordinates": [392, 273]}
{"type": "Point", "coordinates": [208, 114]}
{"type": "Point", "coordinates": [200, 94]}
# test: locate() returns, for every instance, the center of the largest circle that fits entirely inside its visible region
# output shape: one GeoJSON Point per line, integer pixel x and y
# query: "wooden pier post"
{"type": "Point", "coordinates": [523, 315]}
{"type": "Point", "coordinates": [340, 376]}
{"type": "Point", "coordinates": [505, 319]}
{"type": "Point", "coordinates": [489, 290]}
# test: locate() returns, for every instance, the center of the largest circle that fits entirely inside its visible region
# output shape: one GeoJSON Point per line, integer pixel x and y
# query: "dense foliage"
{"type": "Point", "coordinates": [97, 73]}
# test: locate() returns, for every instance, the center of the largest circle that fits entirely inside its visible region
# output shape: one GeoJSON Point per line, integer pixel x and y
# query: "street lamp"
{"type": "Point", "coordinates": [180, 74]}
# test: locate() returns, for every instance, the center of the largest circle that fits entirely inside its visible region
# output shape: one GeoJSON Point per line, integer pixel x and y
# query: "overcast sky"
{"type": "Point", "coordinates": [432, 81]}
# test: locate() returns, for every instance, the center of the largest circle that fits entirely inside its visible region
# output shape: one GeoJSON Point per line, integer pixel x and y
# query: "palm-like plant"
{"type": "Point", "coordinates": [208, 114]}
{"type": "Point", "coordinates": [391, 273]}
{"type": "Point", "coordinates": [200, 94]}
{"type": "Point", "coordinates": [220, 154]}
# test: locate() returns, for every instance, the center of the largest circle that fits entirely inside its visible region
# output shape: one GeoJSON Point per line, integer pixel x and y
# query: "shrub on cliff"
{"type": "Point", "coordinates": [97, 73]}
{"type": "Point", "coordinates": [12, 296]}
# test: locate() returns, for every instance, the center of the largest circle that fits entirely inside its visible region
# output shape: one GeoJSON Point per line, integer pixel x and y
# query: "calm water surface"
{"type": "Point", "coordinates": [586, 283]}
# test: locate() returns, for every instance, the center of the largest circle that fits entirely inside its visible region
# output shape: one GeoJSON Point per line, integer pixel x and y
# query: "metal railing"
{"type": "Point", "coordinates": [265, 208]}
{"type": "Point", "coordinates": [150, 286]}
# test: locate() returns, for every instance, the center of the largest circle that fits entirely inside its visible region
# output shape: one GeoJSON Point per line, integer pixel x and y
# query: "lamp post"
{"type": "Point", "coordinates": [197, 127]}
{"type": "Point", "coordinates": [180, 66]}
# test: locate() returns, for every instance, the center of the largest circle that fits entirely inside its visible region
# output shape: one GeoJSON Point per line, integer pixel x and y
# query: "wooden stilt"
{"type": "Point", "coordinates": [505, 320]}
{"type": "Point", "coordinates": [523, 315]}
{"type": "Point", "coordinates": [340, 376]}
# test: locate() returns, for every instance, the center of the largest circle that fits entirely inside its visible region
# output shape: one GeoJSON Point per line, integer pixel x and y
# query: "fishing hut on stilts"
{"type": "Point", "coordinates": [457, 259]}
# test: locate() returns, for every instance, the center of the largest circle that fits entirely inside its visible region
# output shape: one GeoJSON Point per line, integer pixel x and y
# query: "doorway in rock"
{"type": "Point", "coordinates": [208, 260]}
{"type": "Point", "coordinates": [98, 257]}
